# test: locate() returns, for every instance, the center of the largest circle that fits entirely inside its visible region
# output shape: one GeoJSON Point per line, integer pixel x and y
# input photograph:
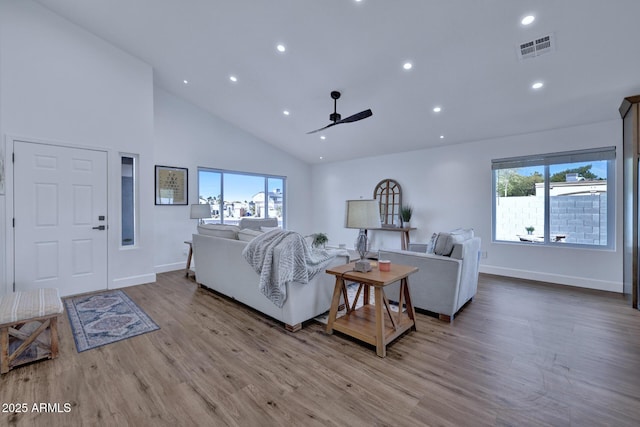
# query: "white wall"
{"type": "Point", "coordinates": [186, 136]}
{"type": "Point", "coordinates": [450, 187]}
{"type": "Point", "coordinates": [60, 84]}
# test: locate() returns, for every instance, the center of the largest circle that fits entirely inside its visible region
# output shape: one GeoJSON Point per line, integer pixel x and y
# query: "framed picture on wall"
{"type": "Point", "coordinates": [172, 185]}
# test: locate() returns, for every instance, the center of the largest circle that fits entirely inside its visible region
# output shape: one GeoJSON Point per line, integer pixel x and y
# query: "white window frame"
{"type": "Point", "coordinates": [266, 177]}
{"type": "Point", "coordinates": [597, 154]}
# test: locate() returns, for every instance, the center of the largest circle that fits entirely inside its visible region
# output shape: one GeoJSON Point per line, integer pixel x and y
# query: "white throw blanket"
{"type": "Point", "coordinates": [294, 260]}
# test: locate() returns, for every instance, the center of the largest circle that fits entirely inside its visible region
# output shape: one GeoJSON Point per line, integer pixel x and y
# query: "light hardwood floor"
{"type": "Point", "coordinates": [522, 353]}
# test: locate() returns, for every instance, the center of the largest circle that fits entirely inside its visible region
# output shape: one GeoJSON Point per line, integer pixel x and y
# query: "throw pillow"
{"type": "Point", "coordinates": [219, 230]}
{"type": "Point", "coordinates": [432, 243]}
{"type": "Point", "coordinates": [445, 241]}
{"type": "Point", "coordinates": [443, 246]}
{"type": "Point", "coordinates": [247, 234]}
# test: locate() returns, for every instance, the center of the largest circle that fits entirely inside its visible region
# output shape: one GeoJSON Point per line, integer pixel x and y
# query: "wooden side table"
{"type": "Point", "coordinates": [369, 322]}
{"type": "Point", "coordinates": [187, 270]}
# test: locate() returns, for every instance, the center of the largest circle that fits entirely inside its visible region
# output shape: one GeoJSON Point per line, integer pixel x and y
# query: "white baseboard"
{"type": "Point", "coordinates": [581, 282]}
{"type": "Point", "coordinates": [132, 281]}
{"type": "Point", "coordinates": [163, 268]}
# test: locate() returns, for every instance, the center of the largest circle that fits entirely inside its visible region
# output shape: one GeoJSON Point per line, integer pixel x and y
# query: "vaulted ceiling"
{"type": "Point", "coordinates": [464, 56]}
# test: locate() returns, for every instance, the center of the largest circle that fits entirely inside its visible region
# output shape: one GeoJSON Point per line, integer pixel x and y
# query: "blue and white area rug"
{"type": "Point", "coordinates": [105, 318]}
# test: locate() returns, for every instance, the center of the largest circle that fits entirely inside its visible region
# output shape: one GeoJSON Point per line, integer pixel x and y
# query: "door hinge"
{"type": "Point", "coordinates": [14, 222]}
{"type": "Point", "coordinates": [13, 157]}
{"type": "Point", "coordinates": [14, 286]}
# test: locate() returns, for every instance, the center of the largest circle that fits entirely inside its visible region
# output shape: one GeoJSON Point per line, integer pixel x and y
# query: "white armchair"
{"type": "Point", "coordinates": [443, 284]}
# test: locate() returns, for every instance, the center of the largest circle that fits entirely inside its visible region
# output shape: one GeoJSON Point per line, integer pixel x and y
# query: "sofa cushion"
{"type": "Point", "coordinates": [256, 223]}
{"type": "Point", "coordinates": [418, 247]}
{"type": "Point", "coordinates": [464, 233]}
{"type": "Point", "coordinates": [444, 241]}
{"type": "Point", "coordinates": [268, 229]}
{"type": "Point", "coordinates": [219, 230]}
{"type": "Point", "coordinates": [247, 234]}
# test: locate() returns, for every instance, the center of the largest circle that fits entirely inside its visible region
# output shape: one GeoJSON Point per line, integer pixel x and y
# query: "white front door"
{"type": "Point", "coordinates": [60, 208]}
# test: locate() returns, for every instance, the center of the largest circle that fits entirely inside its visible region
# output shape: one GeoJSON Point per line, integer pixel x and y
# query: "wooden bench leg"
{"type": "Point", "coordinates": [4, 345]}
{"type": "Point", "coordinates": [15, 331]}
{"type": "Point", "coordinates": [30, 339]}
{"type": "Point", "coordinates": [53, 333]}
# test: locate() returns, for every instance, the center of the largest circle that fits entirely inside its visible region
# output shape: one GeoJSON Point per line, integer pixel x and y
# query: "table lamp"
{"type": "Point", "coordinates": [362, 214]}
{"type": "Point", "coordinates": [200, 211]}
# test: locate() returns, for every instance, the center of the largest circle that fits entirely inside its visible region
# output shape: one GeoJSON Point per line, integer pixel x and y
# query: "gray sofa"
{"type": "Point", "coordinates": [221, 267]}
{"type": "Point", "coordinates": [443, 283]}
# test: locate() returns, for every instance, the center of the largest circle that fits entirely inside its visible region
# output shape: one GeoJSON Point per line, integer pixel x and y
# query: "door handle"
{"type": "Point", "coordinates": [100, 227]}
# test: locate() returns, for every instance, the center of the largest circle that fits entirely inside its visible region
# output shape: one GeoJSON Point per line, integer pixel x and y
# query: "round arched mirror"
{"type": "Point", "coordinates": [389, 196]}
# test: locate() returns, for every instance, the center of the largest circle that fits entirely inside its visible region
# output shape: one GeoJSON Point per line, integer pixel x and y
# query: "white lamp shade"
{"type": "Point", "coordinates": [362, 213]}
{"type": "Point", "coordinates": [200, 211]}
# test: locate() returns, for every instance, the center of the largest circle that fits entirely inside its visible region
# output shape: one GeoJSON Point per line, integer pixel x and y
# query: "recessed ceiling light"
{"type": "Point", "coordinates": [233, 78]}
{"type": "Point", "coordinates": [537, 85]}
{"type": "Point", "coordinates": [185, 82]}
{"type": "Point", "coordinates": [527, 20]}
{"type": "Point", "coordinates": [437, 109]}
{"type": "Point", "coordinates": [323, 137]}
{"type": "Point", "coordinates": [285, 112]}
{"type": "Point", "coordinates": [441, 136]}
{"type": "Point", "coordinates": [407, 65]}
{"type": "Point", "coordinates": [281, 48]}
{"type": "Point", "coordinates": [321, 157]}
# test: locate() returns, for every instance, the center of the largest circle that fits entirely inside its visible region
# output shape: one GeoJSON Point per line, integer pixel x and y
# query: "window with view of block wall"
{"type": "Point", "coordinates": [557, 199]}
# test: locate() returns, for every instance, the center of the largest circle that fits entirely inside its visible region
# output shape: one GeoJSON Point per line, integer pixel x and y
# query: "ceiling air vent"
{"type": "Point", "coordinates": [537, 47]}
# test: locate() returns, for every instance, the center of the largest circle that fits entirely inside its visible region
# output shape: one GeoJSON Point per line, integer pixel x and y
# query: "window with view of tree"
{"type": "Point", "coordinates": [234, 195]}
{"type": "Point", "coordinates": [560, 198]}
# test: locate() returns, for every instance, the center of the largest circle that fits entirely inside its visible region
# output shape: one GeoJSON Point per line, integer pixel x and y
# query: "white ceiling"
{"type": "Point", "coordinates": [463, 52]}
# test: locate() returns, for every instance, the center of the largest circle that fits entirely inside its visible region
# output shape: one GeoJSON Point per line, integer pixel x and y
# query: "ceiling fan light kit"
{"type": "Point", "coordinates": [337, 119]}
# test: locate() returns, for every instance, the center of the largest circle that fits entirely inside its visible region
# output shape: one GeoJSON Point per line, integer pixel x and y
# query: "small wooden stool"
{"type": "Point", "coordinates": [26, 318]}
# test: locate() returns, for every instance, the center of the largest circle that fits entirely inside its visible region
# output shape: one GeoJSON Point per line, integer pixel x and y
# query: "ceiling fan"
{"type": "Point", "coordinates": [336, 118]}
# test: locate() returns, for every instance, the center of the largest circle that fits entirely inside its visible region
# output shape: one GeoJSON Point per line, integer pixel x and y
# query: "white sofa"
{"type": "Point", "coordinates": [221, 267]}
{"type": "Point", "coordinates": [443, 284]}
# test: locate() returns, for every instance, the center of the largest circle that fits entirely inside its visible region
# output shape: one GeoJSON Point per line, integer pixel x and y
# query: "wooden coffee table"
{"type": "Point", "coordinates": [369, 322]}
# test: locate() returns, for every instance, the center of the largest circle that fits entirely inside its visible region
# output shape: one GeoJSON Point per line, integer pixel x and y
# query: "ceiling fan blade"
{"type": "Point", "coordinates": [335, 117]}
{"type": "Point", "coordinates": [359, 116]}
{"type": "Point", "coordinates": [327, 126]}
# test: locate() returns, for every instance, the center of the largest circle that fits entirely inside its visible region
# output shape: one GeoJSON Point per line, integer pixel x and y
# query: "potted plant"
{"type": "Point", "coordinates": [529, 229]}
{"type": "Point", "coordinates": [406, 212]}
{"type": "Point", "coordinates": [319, 240]}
